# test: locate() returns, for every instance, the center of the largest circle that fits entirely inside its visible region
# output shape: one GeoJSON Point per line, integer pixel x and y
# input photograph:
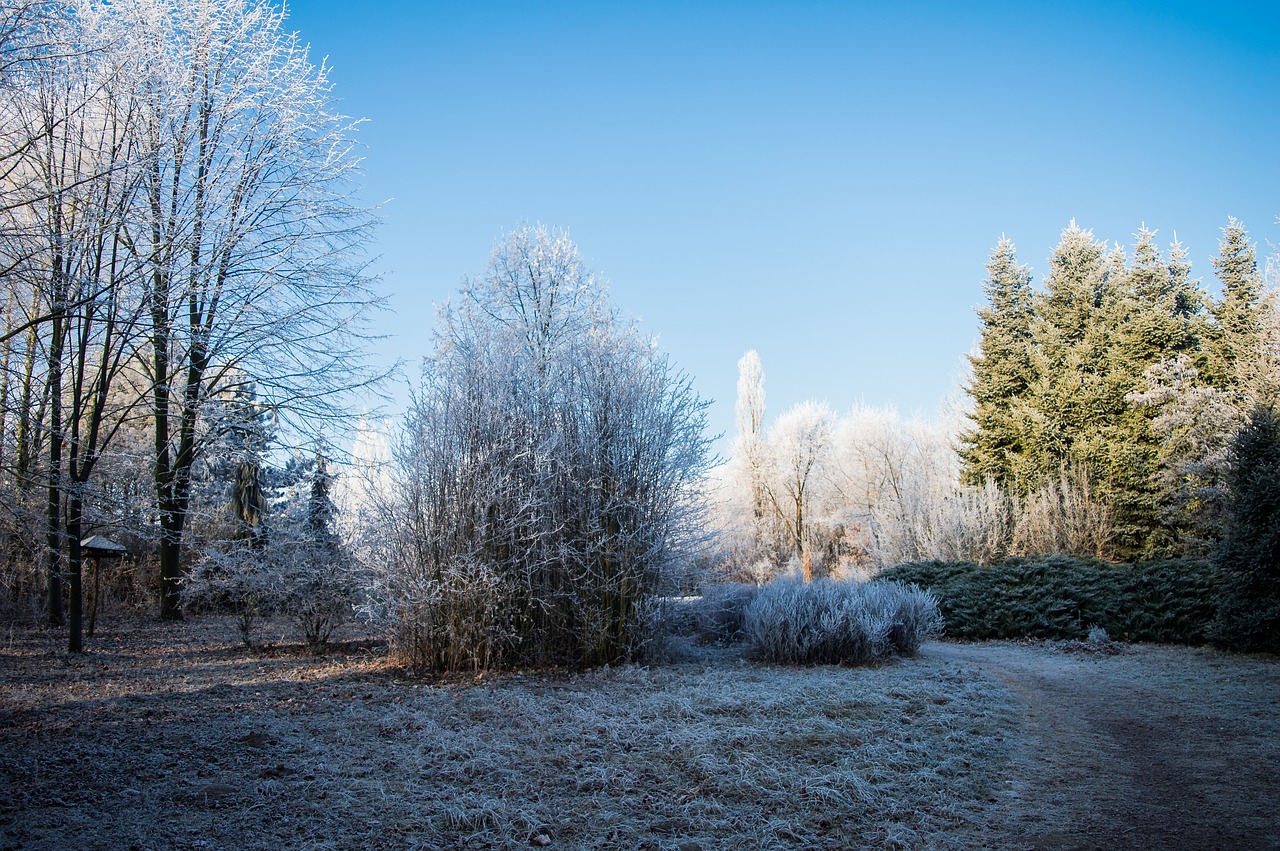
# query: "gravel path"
{"type": "Point", "coordinates": [1127, 746]}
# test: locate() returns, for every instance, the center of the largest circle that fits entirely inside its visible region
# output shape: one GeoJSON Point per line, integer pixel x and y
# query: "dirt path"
{"type": "Point", "coordinates": [1138, 747]}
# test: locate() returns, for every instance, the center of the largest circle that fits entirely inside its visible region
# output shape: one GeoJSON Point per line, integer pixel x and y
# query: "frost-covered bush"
{"type": "Point", "coordinates": [721, 609]}
{"type": "Point", "coordinates": [830, 622]}
{"type": "Point", "coordinates": [548, 478]}
{"type": "Point", "coordinates": [292, 564]}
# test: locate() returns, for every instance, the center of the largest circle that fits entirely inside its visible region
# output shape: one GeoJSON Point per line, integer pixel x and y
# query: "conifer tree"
{"type": "Point", "coordinates": [1154, 320]}
{"type": "Point", "coordinates": [1235, 347]}
{"type": "Point", "coordinates": [1248, 558]}
{"type": "Point", "coordinates": [1067, 399]}
{"type": "Point", "coordinates": [994, 447]}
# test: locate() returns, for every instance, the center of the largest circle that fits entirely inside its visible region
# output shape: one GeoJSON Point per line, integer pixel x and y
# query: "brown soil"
{"type": "Point", "coordinates": [1137, 746]}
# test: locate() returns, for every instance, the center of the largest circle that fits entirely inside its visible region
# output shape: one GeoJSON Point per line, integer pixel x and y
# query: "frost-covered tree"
{"type": "Point", "coordinates": [1156, 318]}
{"type": "Point", "coordinates": [1239, 336]}
{"type": "Point", "coordinates": [1102, 322]}
{"type": "Point", "coordinates": [748, 535]}
{"type": "Point", "coordinates": [72, 288]}
{"type": "Point", "coordinates": [1069, 394]}
{"type": "Point", "coordinates": [994, 447]}
{"type": "Point", "coordinates": [1194, 422]}
{"type": "Point", "coordinates": [549, 473]}
{"type": "Point", "coordinates": [750, 419]}
{"type": "Point", "coordinates": [895, 480]}
{"type": "Point", "coordinates": [248, 229]}
{"type": "Point", "coordinates": [798, 445]}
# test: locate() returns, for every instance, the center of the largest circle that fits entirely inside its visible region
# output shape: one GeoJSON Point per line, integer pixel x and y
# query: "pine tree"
{"type": "Point", "coordinates": [994, 447]}
{"type": "Point", "coordinates": [1067, 400]}
{"type": "Point", "coordinates": [1154, 320]}
{"type": "Point", "coordinates": [1248, 558]}
{"type": "Point", "coordinates": [1235, 347]}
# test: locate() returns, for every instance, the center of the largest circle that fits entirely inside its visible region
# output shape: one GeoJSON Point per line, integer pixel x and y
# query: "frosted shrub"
{"type": "Point", "coordinates": [548, 481]}
{"type": "Point", "coordinates": [846, 623]}
{"type": "Point", "coordinates": [290, 562]}
{"type": "Point", "coordinates": [722, 608]}
{"type": "Point", "coordinates": [315, 587]}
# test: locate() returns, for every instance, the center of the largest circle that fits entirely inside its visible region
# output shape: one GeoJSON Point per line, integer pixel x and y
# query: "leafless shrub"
{"type": "Point", "coordinates": [721, 610]}
{"type": "Point", "coordinates": [548, 480]}
{"type": "Point", "coordinates": [828, 622]}
{"type": "Point", "coordinates": [1063, 516]}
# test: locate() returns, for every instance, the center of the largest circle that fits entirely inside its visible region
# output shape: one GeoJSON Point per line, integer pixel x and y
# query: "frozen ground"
{"type": "Point", "coordinates": [171, 736]}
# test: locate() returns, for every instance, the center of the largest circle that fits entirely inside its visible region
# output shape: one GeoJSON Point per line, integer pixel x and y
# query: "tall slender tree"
{"type": "Point", "coordinates": [749, 459]}
{"type": "Point", "coordinates": [994, 448]}
{"type": "Point", "coordinates": [1235, 346]}
{"type": "Point", "coordinates": [252, 239]}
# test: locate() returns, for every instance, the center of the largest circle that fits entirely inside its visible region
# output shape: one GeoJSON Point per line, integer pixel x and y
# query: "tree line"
{"type": "Point", "coordinates": [177, 231]}
{"type": "Point", "coordinates": [1124, 370]}
{"type": "Point", "coordinates": [1102, 409]}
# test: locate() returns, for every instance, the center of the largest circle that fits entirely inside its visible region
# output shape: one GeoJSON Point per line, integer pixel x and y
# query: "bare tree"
{"type": "Point", "coordinates": [66, 246]}
{"type": "Point", "coordinates": [550, 473]}
{"type": "Point", "coordinates": [251, 237]}
{"type": "Point", "coordinates": [798, 446]}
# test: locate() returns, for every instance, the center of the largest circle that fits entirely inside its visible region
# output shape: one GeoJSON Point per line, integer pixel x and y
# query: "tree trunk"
{"type": "Point", "coordinates": [75, 509]}
{"type": "Point", "coordinates": [53, 519]}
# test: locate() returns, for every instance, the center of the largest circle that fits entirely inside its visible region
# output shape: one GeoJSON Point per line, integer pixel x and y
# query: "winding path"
{"type": "Point", "coordinates": [1146, 747]}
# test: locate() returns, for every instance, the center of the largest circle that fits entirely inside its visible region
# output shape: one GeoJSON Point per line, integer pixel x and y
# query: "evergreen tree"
{"type": "Point", "coordinates": [1194, 423]}
{"type": "Point", "coordinates": [1154, 320]}
{"type": "Point", "coordinates": [1067, 399]}
{"type": "Point", "coordinates": [1102, 323]}
{"type": "Point", "coordinates": [1235, 347]}
{"type": "Point", "coordinates": [994, 447]}
{"type": "Point", "coordinates": [1248, 558]}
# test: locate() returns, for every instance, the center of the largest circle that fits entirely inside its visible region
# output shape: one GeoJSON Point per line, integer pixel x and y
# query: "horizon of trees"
{"type": "Point", "coordinates": [1103, 408]}
{"type": "Point", "coordinates": [178, 230]}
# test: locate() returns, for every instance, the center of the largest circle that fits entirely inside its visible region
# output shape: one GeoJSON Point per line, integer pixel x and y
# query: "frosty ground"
{"type": "Point", "coordinates": [170, 735]}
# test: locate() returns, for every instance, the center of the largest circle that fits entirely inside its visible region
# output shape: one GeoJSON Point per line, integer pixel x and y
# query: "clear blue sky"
{"type": "Point", "coordinates": [822, 182]}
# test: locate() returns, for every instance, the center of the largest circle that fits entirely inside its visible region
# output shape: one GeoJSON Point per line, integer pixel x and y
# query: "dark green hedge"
{"type": "Point", "coordinates": [1061, 597]}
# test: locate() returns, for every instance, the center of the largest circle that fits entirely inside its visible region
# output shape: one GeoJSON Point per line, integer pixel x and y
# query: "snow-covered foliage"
{"type": "Point", "coordinates": [829, 622]}
{"type": "Point", "coordinates": [548, 479]}
{"type": "Point", "coordinates": [289, 561]}
{"type": "Point", "coordinates": [872, 489]}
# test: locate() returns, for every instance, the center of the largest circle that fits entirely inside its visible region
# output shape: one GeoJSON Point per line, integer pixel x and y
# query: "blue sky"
{"type": "Point", "coordinates": [821, 182]}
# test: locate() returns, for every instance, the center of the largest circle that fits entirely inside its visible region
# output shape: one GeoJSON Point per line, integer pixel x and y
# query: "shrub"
{"type": "Point", "coordinates": [721, 609]}
{"type": "Point", "coordinates": [548, 480]}
{"type": "Point", "coordinates": [313, 587]}
{"type": "Point", "coordinates": [828, 622]}
{"type": "Point", "coordinates": [1059, 597]}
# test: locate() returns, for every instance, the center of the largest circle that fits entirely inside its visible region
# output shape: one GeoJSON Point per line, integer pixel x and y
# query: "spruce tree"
{"type": "Point", "coordinates": [1235, 347]}
{"type": "Point", "coordinates": [1066, 398]}
{"type": "Point", "coordinates": [994, 447]}
{"type": "Point", "coordinates": [1248, 557]}
{"type": "Point", "coordinates": [1154, 320]}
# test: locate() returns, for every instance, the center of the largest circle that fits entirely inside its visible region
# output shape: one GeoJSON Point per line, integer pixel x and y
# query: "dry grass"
{"type": "Point", "coordinates": [171, 736]}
